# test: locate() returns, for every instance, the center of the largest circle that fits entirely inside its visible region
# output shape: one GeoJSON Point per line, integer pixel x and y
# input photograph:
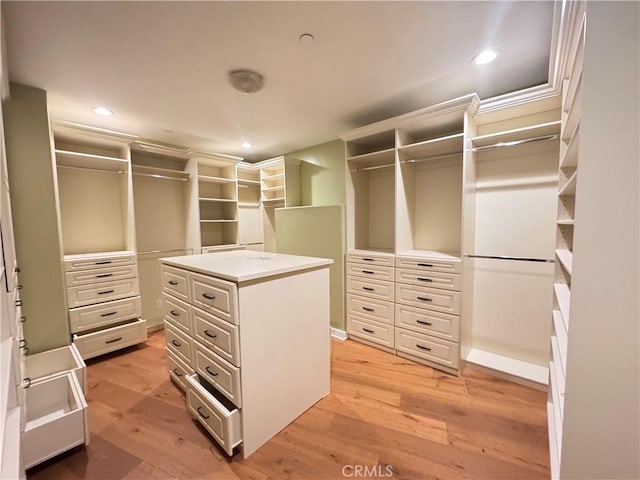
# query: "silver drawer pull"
{"type": "Point", "coordinates": [173, 282]}
{"type": "Point", "coordinates": [174, 313]}
{"type": "Point", "coordinates": [177, 372]}
{"type": "Point", "coordinates": [114, 340]}
{"type": "Point", "coordinates": [105, 292]}
{"type": "Point", "coordinates": [368, 271]}
{"type": "Point", "coordinates": [208, 296]}
{"type": "Point", "coordinates": [367, 309]}
{"type": "Point", "coordinates": [109, 314]}
{"type": "Point", "coordinates": [105, 262]}
{"type": "Point", "coordinates": [369, 289]}
{"type": "Point", "coordinates": [425, 265]}
{"type": "Point", "coordinates": [105, 275]}
{"type": "Point", "coordinates": [202, 414]}
{"type": "Point", "coordinates": [425, 279]}
{"type": "Point", "coordinates": [422, 322]}
{"type": "Point", "coordinates": [176, 343]}
{"type": "Point", "coordinates": [425, 299]}
{"type": "Point", "coordinates": [368, 331]}
{"type": "Point", "coordinates": [423, 347]}
{"type": "Point", "coordinates": [213, 374]}
{"type": "Point", "coordinates": [209, 334]}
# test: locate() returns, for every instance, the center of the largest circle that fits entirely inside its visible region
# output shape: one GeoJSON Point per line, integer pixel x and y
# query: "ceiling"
{"type": "Point", "coordinates": [162, 66]}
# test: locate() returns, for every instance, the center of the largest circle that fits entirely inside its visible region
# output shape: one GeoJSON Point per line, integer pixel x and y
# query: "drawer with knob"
{"type": "Point", "coordinates": [369, 287]}
{"type": "Point", "coordinates": [370, 271]}
{"type": "Point", "coordinates": [176, 282]}
{"type": "Point", "coordinates": [433, 279]}
{"type": "Point", "coordinates": [110, 339]}
{"type": "Point", "coordinates": [445, 301]}
{"type": "Point", "coordinates": [178, 370]}
{"type": "Point", "coordinates": [102, 292]}
{"type": "Point", "coordinates": [82, 319]}
{"type": "Point", "coordinates": [215, 296]}
{"type": "Point", "coordinates": [94, 261]}
{"type": "Point", "coordinates": [377, 310]}
{"type": "Point", "coordinates": [370, 258]}
{"type": "Point", "coordinates": [87, 277]}
{"type": "Point", "coordinates": [380, 333]}
{"type": "Point", "coordinates": [429, 264]}
{"type": "Point", "coordinates": [427, 348]}
{"type": "Point", "coordinates": [179, 342]}
{"type": "Point", "coordinates": [219, 336]}
{"type": "Point", "coordinates": [421, 320]}
{"type": "Point", "coordinates": [220, 373]}
{"type": "Point", "coordinates": [177, 312]}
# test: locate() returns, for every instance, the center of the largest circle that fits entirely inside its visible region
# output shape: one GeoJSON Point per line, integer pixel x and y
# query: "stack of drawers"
{"type": "Point", "coordinates": [104, 302]}
{"type": "Point", "coordinates": [408, 305]}
{"type": "Point", "coordinates": [201, 325]}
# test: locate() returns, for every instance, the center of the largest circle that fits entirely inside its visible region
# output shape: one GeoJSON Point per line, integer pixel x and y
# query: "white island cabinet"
{"type": "Point", "coordinates": [248, 339]}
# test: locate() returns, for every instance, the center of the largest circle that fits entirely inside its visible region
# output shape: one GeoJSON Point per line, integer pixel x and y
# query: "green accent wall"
{"type": "Point", "coordinates": [33, 187]}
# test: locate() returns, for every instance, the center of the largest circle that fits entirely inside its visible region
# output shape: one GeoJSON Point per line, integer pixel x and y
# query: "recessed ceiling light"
{"type": "Point", "coordinates": [486, 56]}
{"type": "Point", "coordinates": [246, 145]}
{"type": "Point", "coordinates": [104, 111]}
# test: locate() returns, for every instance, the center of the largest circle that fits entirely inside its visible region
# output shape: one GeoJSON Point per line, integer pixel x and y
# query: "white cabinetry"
{"type": "Point", "coordinates": [245, 378]}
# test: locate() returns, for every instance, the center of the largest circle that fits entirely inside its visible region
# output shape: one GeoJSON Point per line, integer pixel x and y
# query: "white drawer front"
{"type": "Point", "coordinates": [378, 310]}
{"type": "Point", "coordinates": [179, 343]}
{"type": "Point", "coordinates": [381, 333]}
{"type": "Point", "coordinates": [370, 288]}
{"type": "Point", "coordinates": [371, 271]}
{"type": "Point", "coordinates": [220, 373]}
{"type": "Point", "coordinates": [433, 323]}
{"type": "Point", "coordinates": [90, 262]}
{"type": "Point", "coordinates": [221, 419]}
{"type": "Point", "coordinates": [178, 312]}
{"type": "Point", "coordinates": [97, 343]}
{"type": "Point", "coordinates": [215, 296]}
{"type": "Point", "coordinates": [446, 301]}
{"type": "Point", "coordinates": [219, 336]}
{"type": "Point", "coordinates": [370, 258]}
{"type": "Point", "coordinates": [102, 292]}
{"type": "Point", "coordinates": [176, 282]}
{"type": "Point", "coordinates": [428, 348]}
{"type": "Point", "coordinates": [178, 370]}
{"type": "Point", "coordinates": [56, 419]}
{"type": "Point", "coordinates": [102, 314]}
{"type": "Point", "coordinates": [88, 277]}
{"type": "Point", "coordinates": [428, 264]}
{"type": "Point", "coordinates": [448, 281]}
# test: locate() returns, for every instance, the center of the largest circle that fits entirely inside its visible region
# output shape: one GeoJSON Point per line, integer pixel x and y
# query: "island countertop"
{"type": "Point", "coordinates": [243, 265]}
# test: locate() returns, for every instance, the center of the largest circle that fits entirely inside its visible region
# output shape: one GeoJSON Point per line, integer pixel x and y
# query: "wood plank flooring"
{"type": "Point", "coordinates": [386, 417]}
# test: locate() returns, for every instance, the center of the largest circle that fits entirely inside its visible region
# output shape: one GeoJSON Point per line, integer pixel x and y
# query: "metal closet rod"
{"type": "Point", "coordinates": [543, 138]}
{"type": "Point", "coordinates": [91, 168]}
{"type": "Point", "coordinates": [508, 257]}
{"type": "Point", "coordinates": [163, 177]}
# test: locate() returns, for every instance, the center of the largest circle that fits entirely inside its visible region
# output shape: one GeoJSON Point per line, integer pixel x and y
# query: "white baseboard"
{"type": "Point", "coordinates": [518, 371]}
{"type": "Point", "coordinates": [338, 334]}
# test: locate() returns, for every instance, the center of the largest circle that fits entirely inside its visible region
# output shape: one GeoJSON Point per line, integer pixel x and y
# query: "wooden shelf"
{"type": "Point", "coordinates": [566, 259]}
{"type": "Point", "coordinates": [207, 179]}
{"type": "Point", "coordinates": [249, 204]}
{"type": "Point", "coordinates": [160, 172]}
{"type": "Point", "coordinates": [518, 134]}
{"type": "Point", "coordinates": [572, 120]}
{"type": "Point", "coordinates": [218, 200]}
{"type": "Point", "coordinates": [66, 158]}
{"type": "Point", "coordinates": [218, 221]}
{"type": "Point", "coordinates": [569, 188]}
{"type": "Point", "coordinates": [374, 159]}
{"type": "Point", "coordinates": [273, 189]}
{"type": "Point", "coordinates": [562, 336]}
{"type": "Point", "coordinates": [563, 297]}
{"type": "Point", "coordinates": [570, 157]}
{"type": "Point", "coordinates": [272, 177]}
{"type": "Point", "coordinates": [250, 183]}
{"type": "Point", "coordinates": [558, 363]}
{"type": "Point", "coordinates": [557, 394]}
{"type": "Point", "coordinates": [272, 200]}
{"type": "Point", "coordinates": [569, 222]}
{"type": "Point", "coordinates": [451, 144]}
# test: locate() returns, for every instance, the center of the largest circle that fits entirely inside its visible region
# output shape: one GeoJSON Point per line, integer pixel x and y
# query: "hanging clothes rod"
{"type": "Point", "coordinates": [436, 157]}
{"type": "Point", "coordinates": [162, 177]}
{"type": "Point", "coordinates": [507, 257]}
{"type": "Point", "coordinates": [375, 167]}
{"type": "Point", "coordinates": [543, 138]}
{"type": "Point", "coordinates": [91, 168]}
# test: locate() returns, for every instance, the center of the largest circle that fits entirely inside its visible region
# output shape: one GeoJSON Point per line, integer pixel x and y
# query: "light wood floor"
{"type": "Point", "coordinates": [382, 411]}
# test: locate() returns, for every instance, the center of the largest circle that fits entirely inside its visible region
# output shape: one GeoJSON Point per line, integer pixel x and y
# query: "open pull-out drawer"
{"type": "Point", "coordinates": [58, 361]}
{"type": "Point", "coordinates": [56, 419]}
{"type": "Point", "coordinates": [217, 414]}
{"type": "Point", "coordinates": [104, 341]}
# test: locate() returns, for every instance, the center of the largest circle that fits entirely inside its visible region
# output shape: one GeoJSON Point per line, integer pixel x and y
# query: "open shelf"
{"type": "Point", "coordinates": [572, 120]}
{"type": "Point", "coordinates": [219, 221]}
{"type": "Point", "coordinates": [561, 334]}
{"type": "Point", "coordinates": [273, 189]}
{"type": "Point", "coordinates": [563, 298]}
{"type": "Point", "coordinates": [67, 158]}
{"type": "Point", "coordinates": [569, 188]}
{"type": "Point", "coordinates": [250, 183]}
{"type": "Point", "coordinates": [371, 159]}
{"type": "Point", "coordinates": [517, 135]}
{"type": "Point", "coordinates": [570, 157]}
{"type": "Point", "coordinates": [436, 147]}
{"type": "Point", "coordinates": [219, 200]}
{"type": "Point", "coordinates": [160, 172]}
{"type": "Point", "coordinates": [568, 222]}
{"type": "Point", "coordinates": [276, 176]}
{"type": "Point", "coordinates": [566, 258]}
{"type": "Point", "coordinates": [208, 179]}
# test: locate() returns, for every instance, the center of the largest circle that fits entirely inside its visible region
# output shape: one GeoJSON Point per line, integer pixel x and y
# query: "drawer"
{"type": "Point", "coordinates": [179, 343]}
{"type": "Point", "coordinates": [178, 370]}
{"type": "Point", "coordinates": [176, 282]}
{"type": "Point", "coordinates": [376, 332]}
{"type": "Point", "coordinates": [429, 264]}
{"type": "Point", "coordinates": [433, 323]}
{"type": "Point", "coordinates": [370, 271]}
{"type": "Point", "coordinates": [110, 339]}
{"type": "Point", "coordinates": [370, 288]}
{"type": "Point", "coordinates": [215, 413]}
{"type": "Point", "coordinates": [56, 362]}
{"type": "Point", "coordinates": [178, 312]}
{"type": "Point", "coordinates": [219, 373]}
{"type": "Point", "coordinates": [215, 296]}
{"type": "Point", "coordinates": [446, 301]}
{"type": "Point", "coordinates": [88, 277]}
{"type": "Point", "coordinates": [102, 292]}
{"type": "Point", "coordinates": [93, 261]}
{"type": "Point", "coordinates": [56, 419]}
{"type": "Point", "coordinates": [103, 314]}
{"type": "Point", "coordinates": [378, 310]}
{"type": "Point", "coordinates": [429, 348]}
{"type": "Point", "coordinates": [370, 258]}
{"type": "Point", "coordinates": [219, 336]}
{"type": "Point", "coordinates": [448, 281]}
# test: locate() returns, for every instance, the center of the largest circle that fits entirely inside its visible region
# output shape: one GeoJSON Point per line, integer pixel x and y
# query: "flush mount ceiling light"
{"type": "Point", "coordinates": [245, 145]}
{"type": "Point", "coordinates": [486, 56]}
{"type": "Point", "coordinates": [306, 38]}
{"type": "Point", "coordinates": [104, 111]}
{"type": "Point", "coordinates": [246, 81]}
